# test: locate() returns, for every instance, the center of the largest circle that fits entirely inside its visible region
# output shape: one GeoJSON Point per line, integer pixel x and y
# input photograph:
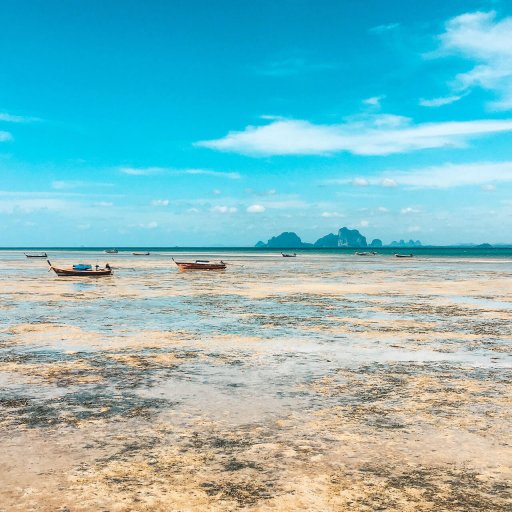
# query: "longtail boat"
{"type": "Point", "coordinates": [403, 255]}
{"type": "Point", "coordinates": [284, 255]}
{"type": "Point", "coordinates": [82, 270]}
{"type": "Point", "coordinates": [140, 253]}
{"type": "Point", "coordinates": [39, 255]}
{"type": "Point", "coordinates": [199, 265]}
{"type": "Point", "coordinates": [111, 251]}
{"type": "Point", "coordinates": [372, 253]}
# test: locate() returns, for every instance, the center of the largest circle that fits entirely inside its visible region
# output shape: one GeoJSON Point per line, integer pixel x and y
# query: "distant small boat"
{"type": "Point", "coordinates": [284, 255]}
{"type": "Point", "coordinates": [111, 251]}
{"type": "Point", "coordinates": [140, 253]}
{"type": "Point", "coordinates": [200, 265]}
{"type": "Point", "coordinates": [404, 255]}
{"type": "Point", "coordinates": [373, 253]}
{"type": "Point", "coordinates": [38, 255]}
{"type": "Point", "coordinates": [82, 270]}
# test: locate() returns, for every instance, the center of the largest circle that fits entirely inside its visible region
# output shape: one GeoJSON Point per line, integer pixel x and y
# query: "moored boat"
{"type": "Point", "coordinates": [285, 255]}
{"type": "Point", "coordinates": [111, 251]}
{"type": "Point", "coordinates": [82, 270]}
{"type": "Point", "coordinates": [140, 253]}
{"type": "Point", "coordinates": [372, 253]}
{"type": "Point", "coordinates": [398, 255]}
{"type": "Point", "coordinates": [199, 265]}
{"type": "Point", "coordinates": [36, 255]}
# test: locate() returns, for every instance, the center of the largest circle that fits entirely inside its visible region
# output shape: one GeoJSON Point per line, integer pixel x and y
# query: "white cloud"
{"type": "Point", "coordinates": [256, 208]}
{"type": "Point", "coordinates": [487, 42]}
{"type": "Point", "coordinates": [373, 135]}
{"type": "Point", "coordinates": [216, 192]}
{"type": "Point", "coordinates": [360, 182]}
{"type": "Point", "coordinates": [374, 101]}
{"type": "Point", "coordinates": [103, 204]}
{"type": "Point", "coordinates": [66, 185]}
{"type": "Point", "coordinates": [224, 209]}
{"type": "Point", "coordinates": [328, 215]}
{"type": "Point", "coordinates": [380, 29]}
{"type": "Point", "coordinates": [5, 136]}
{"type": "Point", "coordinates": [456, 175]}
{"type": "Point", "coordinates": [206, 172]}
{"type": "Point", "coordinates": [149, 225]}
{"type": "Point", "coordinates": [9, 118]}
{"type": "Point", "coordinates": [439, 102]}
{"type": "Point", "coordinates": [483, 174]}
{"type": "Point", "coordinates": [34, 205]}
{"type": "Point", "coordinates": [160, 202]}
{"type": "Point", "coordinates": [388, 183]}
{"type": "Point", "coordinates": [488, 187]}
{"type": "Point", "coordinates": [147, 171]}
{"type": "Point", "coordinates": [150, 171]}
{"type": "Point", "coordinates": [382, 209]}
{"type": "Point", "coordinates": [364, 223]}
{"type": "Point", "coordinates": [409, 211]}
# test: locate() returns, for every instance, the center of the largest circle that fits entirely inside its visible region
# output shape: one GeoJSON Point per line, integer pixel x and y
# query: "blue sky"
{"type": "Point", "coordinates": [223, 123]}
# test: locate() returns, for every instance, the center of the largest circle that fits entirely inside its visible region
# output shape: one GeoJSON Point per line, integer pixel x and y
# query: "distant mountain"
{"type": "Point", "coordinates": [330, 240]}
{"type": "Point", "coordinates": [344, 238]}
{"type": "Point", "coordinates": [402, 243]}
{"type": "Point", "coordinates": [286, 240]}
{"type": "Point", "coordinates": [351, 238]}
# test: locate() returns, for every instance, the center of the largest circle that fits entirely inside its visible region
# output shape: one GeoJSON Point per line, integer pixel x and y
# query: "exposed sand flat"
{"type": "Point", "coordinates": [322, 383]}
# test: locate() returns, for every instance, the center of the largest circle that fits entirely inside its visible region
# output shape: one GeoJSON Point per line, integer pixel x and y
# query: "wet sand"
{"type": "Point", "coordinates": [321, 383]}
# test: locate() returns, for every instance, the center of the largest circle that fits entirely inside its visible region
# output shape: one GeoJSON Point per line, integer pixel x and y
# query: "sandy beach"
{"type": "Point", "coordinates": [318, 383]}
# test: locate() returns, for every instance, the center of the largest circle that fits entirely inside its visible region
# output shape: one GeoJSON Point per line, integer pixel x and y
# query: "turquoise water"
{"type": "Point", "coordinates": [442, 252]}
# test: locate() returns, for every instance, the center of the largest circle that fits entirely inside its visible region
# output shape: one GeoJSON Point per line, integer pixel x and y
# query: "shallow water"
{"type": "Point", "coordinates": [279, 384]}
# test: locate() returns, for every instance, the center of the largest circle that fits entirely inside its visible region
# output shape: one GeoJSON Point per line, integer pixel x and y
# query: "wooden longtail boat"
{"type": "Point", "coordinates": [111, 251]}
{"type": "Point", "coordinates": [199, 265]}
{"type": "Point", "coordinates": [366, 253]}
{"type": "Point", "coordinates": [42, 255]}
{"type": "Point", "coordinates": [140, 253]}
{"type": "Point", "coordinates": [404, 255]}
{"type": "Point", "coordinates": [100, 272]}
{"type": "Point", "coordinates": [284, 255]}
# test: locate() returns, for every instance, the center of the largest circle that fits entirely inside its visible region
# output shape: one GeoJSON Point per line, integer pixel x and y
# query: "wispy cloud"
{"type": "Point", "coordinates": [146, 171]}
{"type": "Point", "coordinates": [224, 209]}
{"type": "Point", "coordinates": [160, 202]}
{"type": "Point", "coordinates": [9, 118]}
{"type": "Point", "coordinates": [374, 101]}
{"type": "Point", "coordinates": [329, 215]}
{"type": "Point", "coordinates": [151, 171]}
{"type": "Point", "coordinates": [256, 208]}
{"type": "Point", "coordinates": [381, 29]}
{"type": "Point", "coordinates": [483, 174]}
{"type": "Point", "coordinates": [439, 102]}
{"type": "Point", "coordinates": [373, 135]}
{"type": "Point", "coordinates": [456, 175]}
{"type": "Point", "coordinates": [486, 41]}
{"type": "Point", "coordinates": [67, 185]}
{"type": "Point", "coordinates": [206, 172]}
{"type": "Point", "coordinates": [5, 136]}
{"type": "Point", "coordinates": [409, 211]}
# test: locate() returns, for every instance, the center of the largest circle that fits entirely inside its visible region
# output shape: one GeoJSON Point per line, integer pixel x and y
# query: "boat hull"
{"type": "Point", "coordinates": [183, 266]}
{"type": "Point", "coordinates": [64, 272]}
{"type": "Point", "coordinates": [71, 272]}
